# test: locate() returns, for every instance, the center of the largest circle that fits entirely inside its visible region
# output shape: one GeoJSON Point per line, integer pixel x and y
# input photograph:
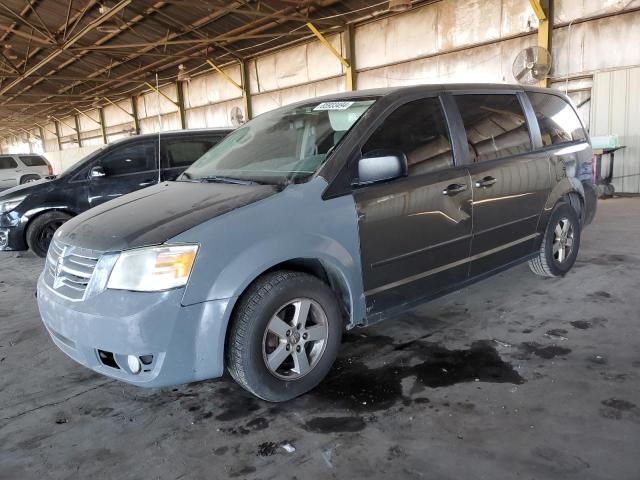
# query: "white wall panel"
{"type": "Point", "coordinates": [270, 100]}
{"type": "Point", "coordinates": [87, 124]}
{"type": "Point", "coordinates": [296, 65]}
{"type": "Point", "coordinates": [568, 10]}
{"type": "Point", "coordinates": [169, 121]}
{"type": "Point", "coordinates": [615, 99]}
{"type": "Point", "coordinates": [489, 63]}
{"type": "Point", "coordinates": [597, 45]}
{"type": "Point", "coordinates": [115, 116]}
{"type": "Point", "coordinates": [212, 116]}
{"type": "Point", "coordinates": [151, 103]}
{"type": "Point", "coordinates": [212, 88]}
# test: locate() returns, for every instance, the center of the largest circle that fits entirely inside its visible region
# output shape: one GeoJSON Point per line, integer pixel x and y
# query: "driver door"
{"type": "Point", "coordinates": [415, 231]}
{"type": "Point", "coordinates": [127, 168]}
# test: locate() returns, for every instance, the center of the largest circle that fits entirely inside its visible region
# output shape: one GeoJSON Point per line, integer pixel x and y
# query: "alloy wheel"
{"type": "Point", "coordinates": [563, 237]}
{"type": "Point", "coordinates": [295, 339]}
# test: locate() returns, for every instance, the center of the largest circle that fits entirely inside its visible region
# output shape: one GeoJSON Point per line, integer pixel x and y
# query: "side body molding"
{"type": "Point", "coordinates": [296, 223]}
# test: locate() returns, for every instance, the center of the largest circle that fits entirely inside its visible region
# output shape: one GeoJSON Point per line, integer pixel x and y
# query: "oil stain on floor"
{"type": "Point", "coordinates": [355, 386]}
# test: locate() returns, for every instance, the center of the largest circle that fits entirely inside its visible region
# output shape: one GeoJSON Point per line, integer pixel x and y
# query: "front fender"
{"type": "Point", "coordinates": [296, 223]}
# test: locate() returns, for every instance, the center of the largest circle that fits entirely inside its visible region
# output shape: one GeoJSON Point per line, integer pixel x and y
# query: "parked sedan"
{"type": "Point", "coordinates": [31, 214]}
{"type": "Point", "coordinates": [323, 215]}
{"type": "Point", "coordinates": [18, 169]}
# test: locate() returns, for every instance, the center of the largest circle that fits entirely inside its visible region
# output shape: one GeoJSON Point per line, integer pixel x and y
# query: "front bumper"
{"type": "Point", "coordinates": [12, 233]}
{"type": "Point", "coordinates": [187, 343]}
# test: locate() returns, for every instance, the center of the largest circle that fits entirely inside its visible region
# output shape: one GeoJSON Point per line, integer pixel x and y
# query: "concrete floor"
{"type": "Point", "coordinates": [514, 377]}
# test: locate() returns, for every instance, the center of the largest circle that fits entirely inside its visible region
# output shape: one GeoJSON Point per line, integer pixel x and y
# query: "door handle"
{"type": "Point", "coordinates": [454, 188]}
{"type": "Point", "coordinates": [485, 182]}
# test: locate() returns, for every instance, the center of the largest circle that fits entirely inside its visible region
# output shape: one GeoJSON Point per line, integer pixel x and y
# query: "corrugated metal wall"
{"type": "Point", "coordinates": [616, 110]}
{"type": "Point", "coordinates": [446, 41]}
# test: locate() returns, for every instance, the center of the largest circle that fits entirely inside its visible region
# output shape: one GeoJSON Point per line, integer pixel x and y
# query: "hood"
{"type": "Point", "coordinates": [28, 188]}
{"type": "Point", "coordinates": [154, 215]}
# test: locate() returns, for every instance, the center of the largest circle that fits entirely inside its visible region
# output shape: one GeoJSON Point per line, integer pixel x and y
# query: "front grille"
{"type": "Point", "coordinates": [69, 269]}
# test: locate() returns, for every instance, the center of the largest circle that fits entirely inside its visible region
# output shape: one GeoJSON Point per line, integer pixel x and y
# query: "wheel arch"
{"type": "Point", "coordinates": [31, 215]}
{"type": "Point", "coordinates": [25, 175]}
{"type": "Point", "coordinates": [568, 190]}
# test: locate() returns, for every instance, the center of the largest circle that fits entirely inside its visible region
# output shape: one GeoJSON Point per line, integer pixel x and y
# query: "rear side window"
{"type": "Point", "coordinates": [33, 160]}
{"type": "Point", "coordinates": [558, 122]}
{"type": "Point", "coordinates": [495, 125]}
{"type": "Point", "coordinates": [419, 130]}
{"type": "Point", "coordinates": [7, 162]}
{"type": "Point", "coordinates": [128, 159]}
{"type": "Point", "coordinates": [182, 153]}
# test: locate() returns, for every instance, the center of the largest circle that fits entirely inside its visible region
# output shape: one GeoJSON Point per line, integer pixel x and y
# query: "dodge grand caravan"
{"type": "Point", "coordinates": [30, 214]}
{"type": "Point", "coordinates": [315, 217]}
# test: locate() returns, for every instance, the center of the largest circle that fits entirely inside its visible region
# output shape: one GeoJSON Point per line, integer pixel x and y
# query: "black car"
{"type": "Point", "coordinates": [30, 214]}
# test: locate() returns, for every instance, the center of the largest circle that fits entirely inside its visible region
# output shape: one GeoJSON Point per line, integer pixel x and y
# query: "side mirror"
{"type": "Point", "coordinates": [380, 165]}
{"type": "Point", "coordinates": [97, 172]}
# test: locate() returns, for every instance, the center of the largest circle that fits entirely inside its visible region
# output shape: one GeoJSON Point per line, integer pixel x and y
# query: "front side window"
{"type": "Point", "coordinates": [7, 163]}
{"type": "Point", "coordinates": [417, 129]}
{"type": "Point", "coordinates": [182, 153]}
{"type": "Point", "coordinates": [129, 159]}
{"type": "Point", "coordinates": [558, 122]}
{"type": "Point", "coordinates": [495, 125]}
{"type": "Point", "coordinates": [285, 145]}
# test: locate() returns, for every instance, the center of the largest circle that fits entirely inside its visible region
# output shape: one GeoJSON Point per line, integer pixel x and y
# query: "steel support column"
{"type": "Point", "coordinates": [103, 129]}
{"type": "Point", "coordinates": [181, 112]}
{"type": "Point", "coordinates": [544, 11]}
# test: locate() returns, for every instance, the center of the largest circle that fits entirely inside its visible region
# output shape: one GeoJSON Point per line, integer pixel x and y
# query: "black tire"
{"type": "Point", "coordinates": [247, 337]}
{"type": "Point", "coordinates": [548, 262]}
{"type": "Point", "coordinates": [41, 230]}
{"type": "Point", "coordinates": [29, 178]}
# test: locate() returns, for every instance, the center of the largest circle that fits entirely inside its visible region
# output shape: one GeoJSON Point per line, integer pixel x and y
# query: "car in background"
{"type": "Point", "coordinates": [31, 213]}
{"type": "Point", "coordinates": [313, 218]}
{"type": "Point", "coordinates": [18, 169]}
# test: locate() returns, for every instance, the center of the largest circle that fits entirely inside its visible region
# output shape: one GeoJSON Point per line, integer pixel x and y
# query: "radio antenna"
{"type": "Point", "coordinates": [159, 129]}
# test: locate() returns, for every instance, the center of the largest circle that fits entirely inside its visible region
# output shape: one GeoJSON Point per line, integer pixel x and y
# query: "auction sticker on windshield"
{"type": "Point", "coordinates": [333, 106]}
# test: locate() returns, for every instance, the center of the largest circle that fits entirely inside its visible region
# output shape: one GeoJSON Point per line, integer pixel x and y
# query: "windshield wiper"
{"type": "Point", "coordinates": [223, 179]}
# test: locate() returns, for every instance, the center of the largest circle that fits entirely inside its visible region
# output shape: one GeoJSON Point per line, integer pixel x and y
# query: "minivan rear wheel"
{"type": "Point", "coordinates": [284, 335]}
{"type": "Point", "coordinates": [560, 244]}
{"type": "Point", "coordinates": [41, 230]}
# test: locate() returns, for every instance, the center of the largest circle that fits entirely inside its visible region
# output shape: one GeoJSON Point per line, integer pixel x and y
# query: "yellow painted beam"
{"type": "Point", "coordinates": [326, 43]}
{"type": "Point", "coordinates": [86, 115]}
{"type": "Point", "coordinates": [224, 75]}
{"type": "Point", "coordinates": [118, 106]}
{"type": "Point", "coordinates": [538, 10]}
{"type": "Point", "coordinates": [65, 123]}
{"type": "Point", "coordinates": [165, 96]}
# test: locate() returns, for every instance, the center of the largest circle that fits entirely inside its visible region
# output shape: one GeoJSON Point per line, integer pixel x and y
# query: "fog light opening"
{"type": "Point", "coordinates": [146, 359]}
{"type": "Point", "coordinates": [134, 364]}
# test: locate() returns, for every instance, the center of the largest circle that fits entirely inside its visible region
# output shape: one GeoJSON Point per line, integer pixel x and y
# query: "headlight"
{"type": "Point", "coordinates": [8, 205]}
{"type": "Point", "coordinates": [153, 269]}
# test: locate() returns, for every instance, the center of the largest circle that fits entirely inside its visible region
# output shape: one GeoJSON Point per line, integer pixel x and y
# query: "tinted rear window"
{"type": "Point", "coordinates": [182, 153]}
{"type": "Point", "coordinates": [7, 162]}
{"type": "Point", "coordinates": [558, 122]}
{"type": "Point", "coordinates": [33, 160]}
{"type": "Point", "coordinates": [495, 125]}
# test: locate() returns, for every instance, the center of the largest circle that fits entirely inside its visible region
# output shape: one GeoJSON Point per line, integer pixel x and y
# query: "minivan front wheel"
{"type": "Point", "coordinates": [284, 335]}
{"type": "Point", "coordinates": [560, 245]}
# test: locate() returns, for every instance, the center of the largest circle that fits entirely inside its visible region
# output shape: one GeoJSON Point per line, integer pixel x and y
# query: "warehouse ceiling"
{"type": "Point", "coordinates": [60, 55]}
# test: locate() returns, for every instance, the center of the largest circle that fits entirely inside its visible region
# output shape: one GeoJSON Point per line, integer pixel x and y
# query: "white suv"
{"type": "Point", "coordinates": [16, 169]}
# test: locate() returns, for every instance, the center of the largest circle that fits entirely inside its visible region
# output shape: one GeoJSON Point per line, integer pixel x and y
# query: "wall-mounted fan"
{"type": "Point", "coordinates": [531, 65]}
{"type": "Point", "coordinates": [236, 116]}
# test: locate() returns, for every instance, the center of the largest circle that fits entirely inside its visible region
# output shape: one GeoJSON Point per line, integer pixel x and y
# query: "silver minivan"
{"type": "Point", "coordinates": [18, 169]}
{"type": "Point", "coordinates": [320, 216]}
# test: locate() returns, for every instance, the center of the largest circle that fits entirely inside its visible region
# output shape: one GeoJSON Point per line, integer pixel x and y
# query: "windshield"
{"type": "Point", "coordinates": [282, 146]}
